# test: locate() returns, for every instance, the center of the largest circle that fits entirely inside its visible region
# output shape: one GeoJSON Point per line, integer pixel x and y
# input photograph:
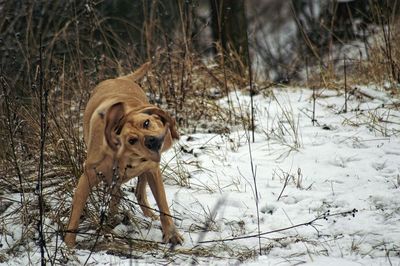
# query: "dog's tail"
{"type": "Point", "coordinates": [138, 73]}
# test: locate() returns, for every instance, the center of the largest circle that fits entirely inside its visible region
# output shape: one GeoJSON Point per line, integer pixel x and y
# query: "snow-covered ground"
{"type": "Point", "coordinates": [346, 164]}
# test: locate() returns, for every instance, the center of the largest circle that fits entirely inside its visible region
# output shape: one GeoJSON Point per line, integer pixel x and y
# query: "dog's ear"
{"type": "Point", "coordinates": [114, 120]}
{"type": "Point", "coordinates": [165, 118]}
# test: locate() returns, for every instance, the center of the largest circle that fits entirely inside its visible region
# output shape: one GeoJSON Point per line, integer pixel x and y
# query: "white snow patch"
{"type": "Point", "coordinates": [344, 161]}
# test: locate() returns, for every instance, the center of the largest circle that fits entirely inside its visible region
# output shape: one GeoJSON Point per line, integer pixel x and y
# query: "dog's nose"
{"type": "Point", "coordinates": [153, 143]}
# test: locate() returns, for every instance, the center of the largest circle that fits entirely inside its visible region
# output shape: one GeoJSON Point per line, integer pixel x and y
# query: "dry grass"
{"type": "Point", "coordinates": [64, 156]}
{"type": "Point", "coordinates": [382, 68]}
{"type": "Point", "coordinates": [180, 81]}
{"type": "Point", "coordinates": [60, 58]}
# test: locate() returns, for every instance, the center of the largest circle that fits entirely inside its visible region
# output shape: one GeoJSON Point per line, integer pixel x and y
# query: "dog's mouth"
{"type": "Point", "coordinates": [151, 156]}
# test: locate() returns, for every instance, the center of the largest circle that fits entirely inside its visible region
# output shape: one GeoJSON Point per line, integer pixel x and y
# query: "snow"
{"type": "Point", "coordinates": [345, 162]}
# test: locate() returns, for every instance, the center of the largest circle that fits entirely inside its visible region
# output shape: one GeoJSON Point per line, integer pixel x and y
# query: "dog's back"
{"type": "Point", "coordinates": [111, 91]}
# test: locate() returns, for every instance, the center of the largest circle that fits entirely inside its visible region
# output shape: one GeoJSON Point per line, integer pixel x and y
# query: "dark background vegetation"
{"type": "Point", "coordinates": [54, 52]}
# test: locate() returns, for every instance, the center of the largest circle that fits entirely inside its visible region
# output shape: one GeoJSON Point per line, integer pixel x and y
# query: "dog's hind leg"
{"type": "Point", "coordinates": [141, 196]}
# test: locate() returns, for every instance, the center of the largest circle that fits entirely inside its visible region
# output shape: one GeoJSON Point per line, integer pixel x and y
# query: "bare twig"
{"type": "Point", "coordinates": [251, 87]}
{"type": "Point", "coordinates": [325, 216]}
{"type": "Point", "coordinates": [43, 102]}
{"type": "Point", "coordinates": [9, 122]}
{"type": "Point", "coordinates": [107, 198]}
{"type": "Point", "coordinates": [253, 173]}
{"type": "Point", "coordinates": [287, 178]}
{"type": "Point", "coordinates": [345, 84]}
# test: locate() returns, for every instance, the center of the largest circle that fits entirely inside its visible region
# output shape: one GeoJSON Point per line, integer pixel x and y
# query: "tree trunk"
{"type": "Point", "coordinates": [229, 27]}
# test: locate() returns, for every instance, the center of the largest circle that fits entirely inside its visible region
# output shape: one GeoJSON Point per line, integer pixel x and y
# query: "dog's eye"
{"type": "Point", "coordinates": [132, 141]}
{"type": "Point", "coordinates": [146, 123]}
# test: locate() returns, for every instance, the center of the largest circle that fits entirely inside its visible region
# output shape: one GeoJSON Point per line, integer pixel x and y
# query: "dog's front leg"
{"type": "Point", "coordinates": [141, 196]}
{"type": "Point", "coordinates": [170, 234]}
{"type": "Point", "coordinates": [85, 184]}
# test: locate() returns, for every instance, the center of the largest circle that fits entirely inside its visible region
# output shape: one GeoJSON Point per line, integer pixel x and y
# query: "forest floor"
{"type": "Point", "coordinates": [328, 193]}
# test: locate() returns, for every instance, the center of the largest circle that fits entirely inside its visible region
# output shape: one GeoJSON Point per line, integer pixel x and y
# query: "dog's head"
{"type": "Point", "coordinates": [139, 135]}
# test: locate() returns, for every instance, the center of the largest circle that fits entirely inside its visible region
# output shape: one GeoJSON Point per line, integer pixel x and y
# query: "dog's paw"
{"type": "Point", "coordinates": [69, 240]}
{"type": "Point", "coordinates": [172, 236]}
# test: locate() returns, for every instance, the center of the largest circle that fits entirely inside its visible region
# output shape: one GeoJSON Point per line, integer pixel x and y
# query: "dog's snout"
{"type": "Point", "coordinates": [153, 143]}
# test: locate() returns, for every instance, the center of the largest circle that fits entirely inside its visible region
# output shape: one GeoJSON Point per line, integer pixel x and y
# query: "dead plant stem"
{"type": "Point", "coordinates": [345, 84]}
{"type": "Point", "coordinates": [4, 86]}
{"type": "Point", "coordinates": [251, 86]}
{"type": "Point", "coordinates": [324, 216]}
{"type": "Point", "coordinates": [253, 173]}
{"type": "Point", "coordinates": [43, 106]}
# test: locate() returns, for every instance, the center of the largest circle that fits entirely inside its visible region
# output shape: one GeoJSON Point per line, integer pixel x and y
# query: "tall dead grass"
{"type": "Point", "coordinates": [79, 48]}
{"type": "Point", "coordinates": [67, 48]}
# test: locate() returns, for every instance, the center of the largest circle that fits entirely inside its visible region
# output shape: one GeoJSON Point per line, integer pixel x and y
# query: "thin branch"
{"type": "Point", "coordinates": [9, 122]}
{"type": "Point", "coordinates": [103, 208]}
{"type": "Point", "coordinates": [43, 106]}
{"type": "Point", "coordinates": [325, 216]}
{"type": "Point", "coordinates": [250, 84]}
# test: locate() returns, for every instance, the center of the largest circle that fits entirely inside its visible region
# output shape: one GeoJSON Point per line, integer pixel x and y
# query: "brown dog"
{"type": "Point", "coordinates": [125, 137]}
